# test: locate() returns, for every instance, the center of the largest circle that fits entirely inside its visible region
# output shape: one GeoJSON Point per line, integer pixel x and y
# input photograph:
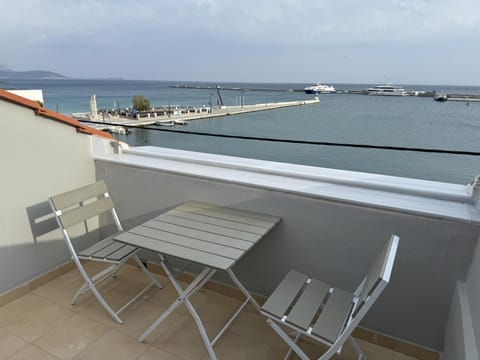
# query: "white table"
{"type": "Point", "coordinates": [212, 236]}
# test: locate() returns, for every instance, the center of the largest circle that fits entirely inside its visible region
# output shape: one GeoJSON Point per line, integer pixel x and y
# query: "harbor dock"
{"type": "Point", "coordinates": [180, 116]}
{"type": "Point", "coordinates": [464, 98]}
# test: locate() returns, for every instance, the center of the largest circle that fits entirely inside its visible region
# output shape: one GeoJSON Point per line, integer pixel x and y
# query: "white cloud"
{"type": "Point", "coordinates": [66, 33]}
{"type": "Point", "coordinates": [304, 22]}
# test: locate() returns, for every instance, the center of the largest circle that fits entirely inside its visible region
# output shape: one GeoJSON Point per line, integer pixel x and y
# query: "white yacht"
{"type": "Point", "coordinates": [387, 90]}
{"type": "Point", "coordinates": [319, 89]}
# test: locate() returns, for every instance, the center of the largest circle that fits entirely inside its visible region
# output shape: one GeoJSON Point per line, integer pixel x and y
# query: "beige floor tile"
{"type": "Point", "coordinates": [399, 356]}
{"type": "Point", "coordinates": [71, 337]}
{"type": "Point", "coordinates": [168, 294]}
{"type": "Point", "coordinates": [116, 292]}
{"type": "Point", "coordinates": [31, 352]}
{"type": "Point", "coordinates": [198, 299]}
{"type": "Point", "coordinates": [371, 351]}
{"type": "Point", "coordinates": [113, 345]}
{"type": "Point", "coordinates": [85, 331]}
{"type": "Point", "coordinates": [375, 352]}
{"type": "Point", "coordinates": [139, 316]}
{"type": "Point", "coordinates": [61, 290]}
{"type": "Point", "coordinates": [32, 316]}
{"type": "Point", "coordinates": [215, 311]}
{"type": "Point", "coordinates": [182, 339]}
{"type": "Point", "coordinates": [94, 311]}
{"type": "Point", "coordinates": [313, 350]}
{"type": "Point", "coordinates": [162, 297]}
{"type": "Point", "coordinates": [133, 272]}
{"type": "Point", "coordinates": [153, 353]}
{"type": "Point", "coordinates": [235, 347]}
{"type": "Point", "coordinates": [9, 343]}
{"type": "Point", "coordinates": [254, 326]}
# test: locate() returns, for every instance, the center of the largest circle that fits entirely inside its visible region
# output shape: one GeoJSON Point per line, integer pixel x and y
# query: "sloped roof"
{"type": "Point", "coordinates": [41, 111]}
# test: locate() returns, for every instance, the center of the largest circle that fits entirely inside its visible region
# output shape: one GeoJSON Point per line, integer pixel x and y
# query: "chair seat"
{"type": "Point", "coordinates": [310, 305]}
{"type": "Point", "coordinates": [107, 250]}
{"type": "Point", "coordinates": [324, 313]}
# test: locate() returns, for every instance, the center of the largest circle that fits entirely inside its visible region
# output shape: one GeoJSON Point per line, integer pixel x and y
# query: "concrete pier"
{"type": "Point", "coordinates": [209, 113]}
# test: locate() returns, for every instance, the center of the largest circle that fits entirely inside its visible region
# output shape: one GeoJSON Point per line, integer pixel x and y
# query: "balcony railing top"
{"type": "Point", "coordinates": [413, 196]}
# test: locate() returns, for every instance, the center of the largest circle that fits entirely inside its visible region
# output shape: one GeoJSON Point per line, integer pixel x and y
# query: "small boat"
{"type": "Point", "coordinates": [386, 90]}
{"type": "Point", "coordinates": [165, 122]}
{"type": "Point", "coordinates": [117, 129]}
{"type": "Point", "coordinates": [180, 122]}
{"type": "Point", "coordinates": [440, 97]}
{"type": "Point", "coordinates": [319, 89]}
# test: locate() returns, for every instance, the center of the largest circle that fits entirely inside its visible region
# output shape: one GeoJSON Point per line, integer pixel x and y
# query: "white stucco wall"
{"type": "Point", "coordinates": [473, 296]}
{"type": "Point", "coordinates": [39, 157]}
{"type": "Point", "coordinates": [35, 94]}
{"type": "Point", "coordinates": [462, 333]}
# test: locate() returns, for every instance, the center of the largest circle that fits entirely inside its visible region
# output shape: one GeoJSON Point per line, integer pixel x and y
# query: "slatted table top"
{"type": "Point", "coordinates": [212, 235]}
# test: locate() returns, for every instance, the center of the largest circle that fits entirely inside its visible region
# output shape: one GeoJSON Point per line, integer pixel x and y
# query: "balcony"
{"type": "Point", "coordinates": [43, 325]}
{"type": "Point", "coordinates": [332, 224]}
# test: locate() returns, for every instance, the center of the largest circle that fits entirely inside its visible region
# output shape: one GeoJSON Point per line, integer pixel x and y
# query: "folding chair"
{"type": "Point", "coordinates": [76, 207]}
{"type": "Point", "coordinates": [310, 307]}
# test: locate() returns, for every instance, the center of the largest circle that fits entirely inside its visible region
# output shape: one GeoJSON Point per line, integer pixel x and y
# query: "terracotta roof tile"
{"type": "Point", "coordinates": [41, 111]}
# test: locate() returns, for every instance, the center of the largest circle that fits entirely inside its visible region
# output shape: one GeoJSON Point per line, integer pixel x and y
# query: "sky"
{"type": "Point", "coordinates": [332, 41]}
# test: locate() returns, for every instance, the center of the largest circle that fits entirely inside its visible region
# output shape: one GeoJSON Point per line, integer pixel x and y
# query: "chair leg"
{"type": "Point", "coordinates": [331, 351]}
{"type": "Point", "coordinates": [289, 352]}
{"type": "Point", "coordinates": [358, 350]}
{"type": "Point", "coordinates": [293, 345]}
{"type": "Point", "coordinates": [99, 277]}
{"type": "Point", "coordinates": [152, 278]}
{"type": "Point", "coordinates": [97, 294]}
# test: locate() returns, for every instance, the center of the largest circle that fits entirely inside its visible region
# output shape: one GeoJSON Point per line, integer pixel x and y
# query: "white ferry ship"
{"type": "Point", "coordinates": [387, 90]}
{"type": "Point", "coordinates": [319, 89]}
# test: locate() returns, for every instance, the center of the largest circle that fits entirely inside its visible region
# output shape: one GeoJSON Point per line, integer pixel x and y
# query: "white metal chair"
{"type": "Point", "coordinates": [76, 207]}
{"type": "Point", "coordinates": [324, 313]}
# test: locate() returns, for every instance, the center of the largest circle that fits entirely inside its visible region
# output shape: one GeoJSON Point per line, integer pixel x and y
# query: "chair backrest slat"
{"type": "Point", "coordinates": [74, 197]}
{"type": "Point", "coordinates": [82, 213]}
{"type": "Point", "coordinates": [76, 206]}
{"type": "Point", "coordinates": [380, 271]}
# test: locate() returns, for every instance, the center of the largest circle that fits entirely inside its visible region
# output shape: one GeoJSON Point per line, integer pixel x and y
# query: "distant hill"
{"type": "Point", "coordinates": [31, 74]}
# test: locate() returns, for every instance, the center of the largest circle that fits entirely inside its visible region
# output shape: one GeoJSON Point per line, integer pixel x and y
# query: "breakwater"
{"type": "Point", "coordinates": [179, 116]}
{"type": "Point", "coordinates": [234, 88]}
{"type": "Point", "coordinates": [419, 93]}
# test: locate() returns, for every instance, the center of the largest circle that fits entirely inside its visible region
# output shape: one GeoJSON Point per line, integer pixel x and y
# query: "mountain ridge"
{"type": "Point", "coordinates": [30, 74]}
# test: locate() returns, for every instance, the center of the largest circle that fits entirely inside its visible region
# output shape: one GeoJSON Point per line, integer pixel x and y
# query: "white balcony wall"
{"type": "Point", "coordinates": [329, 230]}
{"type": "Point", "coordinates": [462, 335]}
{"type": "Point", "coordinates": [39, 157]}
{"type": "Point", "coordinates": [473, 295]}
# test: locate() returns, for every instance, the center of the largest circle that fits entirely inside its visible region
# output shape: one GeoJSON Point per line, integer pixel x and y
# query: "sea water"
{"type": "Point", "coordinates": [412, 122]}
